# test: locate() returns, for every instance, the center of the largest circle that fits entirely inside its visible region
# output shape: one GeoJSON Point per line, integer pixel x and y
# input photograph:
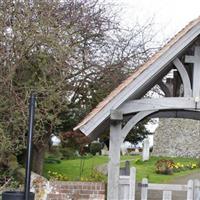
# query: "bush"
{"type": "Point", "coordinates": [169, 167]}
{"type": "Point", "coordinates": [95, 148]}
{"type": "Point", "coordinates": [53, 156]}
{"type": "Point", "coordinates": [52, 160]}
{"type": "Point", "coordinates": [55, 152]}
{"type": "Point", "coordinates": [68, 153]}
{"type": "Point", "coordinates": [164, 166]}
{"type": "Point", "coordinates": [8, 181]}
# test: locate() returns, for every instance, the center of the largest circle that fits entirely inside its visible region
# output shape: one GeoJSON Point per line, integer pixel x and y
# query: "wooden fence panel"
{"type": "Point", "coordinates": [127, 186]}
{"type": "Point", "coordinates": [124, 187]}
{"type": "Point", "coordinates": [132, 183]}
{"type": "Point", "coordinates": [190, 190]}
{"type": "Point", "coordinates": [167, 195]}
{"type": "Point", "coordinates": [196, 189]}
{"type": "Point", "coordinates": [144, 189]}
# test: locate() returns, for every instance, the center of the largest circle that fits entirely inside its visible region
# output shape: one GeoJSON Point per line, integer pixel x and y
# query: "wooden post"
{"type": "Point", "coordinates": [190, 190]}
{"type": "Point", "coordinates": [167, 195]}
{"type": "Point", "coordinates": [144, 189]}
{"type": "Point", "coordinates": [196, 70]}
{"type": "Point", "coordinates": [114, 155]}
{"type": "Point", "coordinates": [132, 183]}
{"type": "Point", "coordinates": [196, 189]}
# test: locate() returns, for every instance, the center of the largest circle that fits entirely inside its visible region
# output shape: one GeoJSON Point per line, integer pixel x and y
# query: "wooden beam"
{"type": "Point", "coordinates": [184, 76]}
{"type": "Point", "coordinates": [132, 183]}
{"type": "Point", "coordinates": [114, 157]}
{"type": "Point", "coordinates": [187, 114]}
{"type": "Point", "coordinates": [167, 195]}
{"type": "Point", "coordinates": [153, 104]}
{"type": "Point", "coordinates": [165, 89]}
{"type": "Point", "coordinates": [133, 121]}
{"type": "Point", "coordinates": [190, 189]}
{"type": "Point", "coordinates": [169, 187]}
{"type": "Point", "coordinates": [196, 70]}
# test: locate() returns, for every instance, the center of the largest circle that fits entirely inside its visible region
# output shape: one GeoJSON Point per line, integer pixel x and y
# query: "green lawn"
{"type": "Point", "coordinates": [147, 170]}
{"type": "Point", "coordinates": [71, 168]}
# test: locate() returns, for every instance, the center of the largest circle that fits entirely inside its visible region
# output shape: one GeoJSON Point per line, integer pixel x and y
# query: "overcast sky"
{"type": "Point", "coordinates": [170, 16]}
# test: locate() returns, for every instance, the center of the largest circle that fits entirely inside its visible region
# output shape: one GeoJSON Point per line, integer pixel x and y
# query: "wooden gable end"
{"type": "Point", "coordinates": [140, 81]}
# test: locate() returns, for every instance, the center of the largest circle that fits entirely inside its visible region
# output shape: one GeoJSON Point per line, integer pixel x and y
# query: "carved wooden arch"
{"type": "Point", "coordinates": [187, 114]}
{"type": "Point", "coordinates": [184, 76]}
{"type": "Point", "coordinates": [133, 121]}
{"type": "Point", "coordinates": [165, 89]}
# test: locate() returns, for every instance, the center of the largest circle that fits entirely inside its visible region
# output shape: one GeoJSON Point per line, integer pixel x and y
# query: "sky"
{"type": "Point", "coordinates": [169, 16]}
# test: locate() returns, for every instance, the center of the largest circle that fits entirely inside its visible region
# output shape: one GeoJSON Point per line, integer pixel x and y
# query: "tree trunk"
{"type": "Point", "coordinates": [38, 159]}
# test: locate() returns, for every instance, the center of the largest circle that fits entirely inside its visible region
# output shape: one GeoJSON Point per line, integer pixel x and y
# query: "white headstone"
{"type": "Point", "coordinates": [123, 149]}
{"type": "Point", "coordinates": [145, 153]}
{"type": "Point", "coordinates": [104, 151]}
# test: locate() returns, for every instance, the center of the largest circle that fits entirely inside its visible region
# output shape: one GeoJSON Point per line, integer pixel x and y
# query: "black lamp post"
{"type": "Point", "coordinates": [26, 195]}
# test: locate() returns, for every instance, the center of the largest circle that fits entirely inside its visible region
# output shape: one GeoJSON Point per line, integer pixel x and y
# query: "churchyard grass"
{"type": "Point", "coordinates": [73, 169]}
{"type": "Point", "coordinates": [147, 169]}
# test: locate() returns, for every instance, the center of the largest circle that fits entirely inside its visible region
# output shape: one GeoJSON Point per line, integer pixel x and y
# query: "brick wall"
{"type": "Point", "coordinates": [76, 191]}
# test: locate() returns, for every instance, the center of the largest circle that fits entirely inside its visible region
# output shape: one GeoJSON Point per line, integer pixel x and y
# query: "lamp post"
{"type": "Point", "coordinates": [29, 146]}
{"type": "Point", "coordinates": [26, 195]}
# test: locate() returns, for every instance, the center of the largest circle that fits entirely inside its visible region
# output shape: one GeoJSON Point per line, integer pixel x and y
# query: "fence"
{"type": "Point", "coordinates": [192, 188]}
{"type": "Point", "coordinates": [127, 187]}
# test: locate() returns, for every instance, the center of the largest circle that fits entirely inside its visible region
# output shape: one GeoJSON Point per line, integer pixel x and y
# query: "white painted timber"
{"type": "Point", "coordinates": [190, 190]}
{"type": "Point", "coordinates": [167, 195]}
{"type": "Point", "coordinates": [114, 161]}
{"type": "Point", "coordinates": [196, 189]}
{"type": "Point", "coordinates": [143, 80]}
{"type": "Point", "coordinates": [184, 76]}
{"type": "Point", "coordinates": [133, 121]}
{"type": "Point", "coordinates": [145, 152]}
{"type": "Point", "coordinates": [172, 103]}
{"type": "Point", "coordinates": [144, 189]}
{"type": "Point", "coordinates": [124, 187]}
{"type": "Point", "coordinates": [168, 187]}
{"type": "Point", "coordinates": [132, 183]}
{"type": "Point", "coordinates": [196, 70]}
{"type": "Point", "coordinates": [165, 89]}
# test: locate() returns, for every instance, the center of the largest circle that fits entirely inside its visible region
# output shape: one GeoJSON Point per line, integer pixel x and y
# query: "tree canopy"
{"type": "Point", "coordinates": [71, 53]}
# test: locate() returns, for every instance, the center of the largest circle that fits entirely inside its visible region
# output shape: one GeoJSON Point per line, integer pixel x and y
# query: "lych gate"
{"type": "Point", "coordinates": [126, 105]}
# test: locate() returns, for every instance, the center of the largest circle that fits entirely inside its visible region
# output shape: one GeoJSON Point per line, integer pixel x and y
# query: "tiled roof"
{"type": "Point", "coordinates": [137, 72]}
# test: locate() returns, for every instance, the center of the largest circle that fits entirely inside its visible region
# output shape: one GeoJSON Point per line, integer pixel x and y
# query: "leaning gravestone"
{"type": "Point", "coordinates": [177, 137]}
{"type": "Point", "coordinates": [145, 152]}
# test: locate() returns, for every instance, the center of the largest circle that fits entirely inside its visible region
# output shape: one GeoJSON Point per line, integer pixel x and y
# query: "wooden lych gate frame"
{"type": "Point", "coordinates": [126, 105]}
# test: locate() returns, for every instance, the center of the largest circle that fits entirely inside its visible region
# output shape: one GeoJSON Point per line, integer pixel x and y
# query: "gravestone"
{"type": "Point", "coordinates": [177, 137]}
{"type": "Point", "coordinates": [104, 151]}
{"type": "Point", "coordinates": [123, 149]}
{"type": "Point", "coordinates": [145, 152]}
